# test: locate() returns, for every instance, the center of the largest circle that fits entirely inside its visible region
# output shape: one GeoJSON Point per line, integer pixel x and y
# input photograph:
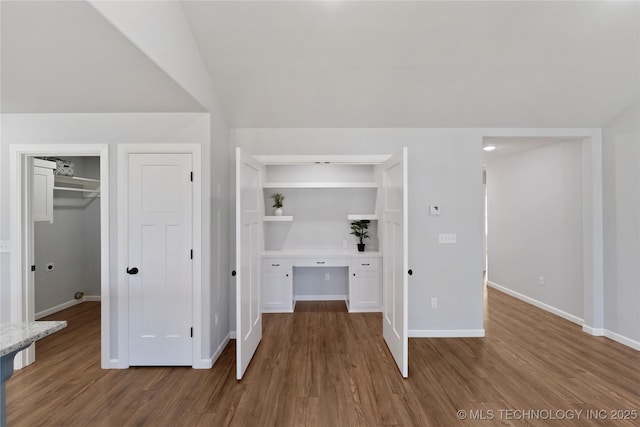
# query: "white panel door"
{"type": "Point", "coordinates": [159, 209]}
{"type": "Point", "coordinates": [249, 247]}
{"type": "Point", "coordinates": [395, 258]}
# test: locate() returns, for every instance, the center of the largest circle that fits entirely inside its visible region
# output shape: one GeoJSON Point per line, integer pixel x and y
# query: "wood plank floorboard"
{"type": "Point", "coordinates": [322, 366]}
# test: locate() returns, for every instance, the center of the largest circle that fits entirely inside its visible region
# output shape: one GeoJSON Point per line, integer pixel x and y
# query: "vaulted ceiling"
{"type": "Point", "coordinates": [342, 64]}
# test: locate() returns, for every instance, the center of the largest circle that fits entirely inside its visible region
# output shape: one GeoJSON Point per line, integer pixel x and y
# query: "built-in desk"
{"type": "Point", "coordinates": [365, 291]}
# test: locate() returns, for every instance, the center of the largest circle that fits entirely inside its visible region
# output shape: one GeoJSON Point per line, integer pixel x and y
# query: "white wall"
{"type": "Point", "coordinates": [220, 272]}
{"type": "Point", "coordinates": [535, 226]}
{"type": "Point", "coordinates": [71, 242]}
{"type": "Point", "coordinates": [111, 129]}
{"type": "Point", "coordinates": [445, 167]}
{"type": "Point", "coordinates": [621, 170]}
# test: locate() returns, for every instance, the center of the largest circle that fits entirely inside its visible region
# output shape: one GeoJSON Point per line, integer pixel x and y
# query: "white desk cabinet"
{"type": "Point", "coordinates": [277, 287]}
{"type": "Point", "coordinates": [364, 295]}
{"type": "Point", "coordinates": [365, 285]}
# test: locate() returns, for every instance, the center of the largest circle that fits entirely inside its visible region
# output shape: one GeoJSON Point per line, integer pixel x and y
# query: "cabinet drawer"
{"type": "Point", "coordinates": [321, 262]}
{"type": "Point", "coordinates": [275, 265]}
{"type": "Point", "coordinates": [365, 264]}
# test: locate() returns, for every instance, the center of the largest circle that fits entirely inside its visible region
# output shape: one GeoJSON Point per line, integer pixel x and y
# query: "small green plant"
{"type": "Point", "coordinates": [360, 229]}
{"type": "Point", "coordinates": [277, 200]}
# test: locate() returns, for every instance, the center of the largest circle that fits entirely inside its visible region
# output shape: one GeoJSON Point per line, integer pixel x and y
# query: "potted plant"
{"type": "Point", "coordinates": [277, 203]}
{"type": "Point", "coordinates": [360, 230]}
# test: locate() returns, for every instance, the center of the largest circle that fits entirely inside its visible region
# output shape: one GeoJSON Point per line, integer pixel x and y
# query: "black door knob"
{"type": "Point", "coordinates": [410, 272]}
{"type": "Point", "coordinates": [233, 273]}
{"type": "Point", "coordinates": [133, 270]}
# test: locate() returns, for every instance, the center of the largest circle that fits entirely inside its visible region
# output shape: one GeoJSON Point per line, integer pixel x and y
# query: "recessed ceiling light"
{"type": "Point", "coordinates": [489, 147]}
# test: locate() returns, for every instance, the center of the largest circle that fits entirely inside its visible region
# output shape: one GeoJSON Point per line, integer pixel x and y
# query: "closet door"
{"type": "Point", "coordinates": [160, 266]}
{"type": "Point", "coordinates": [249, 247]}
{"type": "Point", "coordinates": [395, 258]}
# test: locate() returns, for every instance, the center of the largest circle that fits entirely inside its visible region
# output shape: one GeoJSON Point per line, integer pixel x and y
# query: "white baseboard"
{"type": "Point", "coordinates": [365, 310]}
{"type": "Point", "coordinates": [546, 307]}
{"type": "Point", "coordinates": [446, 333]}
{"type": "Point", "coordinates": [207, 363]}
{"type": "Point", "coordinates": [220, 348]}
{"type": "Point", "coordinates": [49, 311]}
{"type": "Point", "coordinates": [232, 335]}
{"type": "Point", "coordinates": [113, 364]}
{"type": "Point", "coordinates": [622, 339]}
{"type": "Point", "coordinates": [319, 297]}
{"type": "Point", "coordinates": [596, 332]}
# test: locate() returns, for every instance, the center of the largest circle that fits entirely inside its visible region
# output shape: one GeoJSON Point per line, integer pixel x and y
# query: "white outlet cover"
{"type": "Point", "coordinates": [447, 238]}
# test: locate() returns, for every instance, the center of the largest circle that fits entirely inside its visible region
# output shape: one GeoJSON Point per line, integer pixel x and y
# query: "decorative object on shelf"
{"type": "Point", "coordinates": [63, 167]}
{"type": "Point", "coordinates": [277, 203]}
{"type": "Point", "coordinates": [360, 229]}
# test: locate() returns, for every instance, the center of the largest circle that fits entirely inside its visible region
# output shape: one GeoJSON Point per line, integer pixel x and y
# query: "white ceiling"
{"type": "Point", "coordinates": [63, 57]}
{"type": "Point", "coordinates": [342, 64]}
{"type": "Point", "coordinates": [420, 64]}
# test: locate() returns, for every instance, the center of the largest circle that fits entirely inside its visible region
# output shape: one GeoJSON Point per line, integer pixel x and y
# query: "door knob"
{"type": "Point", "coordinates": [410, 272]}
{"type": "Point", "coordinates": [133, 270]}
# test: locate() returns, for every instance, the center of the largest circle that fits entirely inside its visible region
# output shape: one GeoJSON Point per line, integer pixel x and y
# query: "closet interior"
{"type": "Point", "coordinates": [66, 232]}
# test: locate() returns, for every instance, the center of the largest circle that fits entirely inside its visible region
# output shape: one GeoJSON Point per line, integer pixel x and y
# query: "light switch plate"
{"type": "Point", "coordinates": [447, 238]}
{"type": "Point", "coordinates": [434, 210]}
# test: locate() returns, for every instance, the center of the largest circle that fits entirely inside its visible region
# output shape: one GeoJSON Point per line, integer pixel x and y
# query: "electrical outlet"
{"type": "Point", "coordinates": [434, 210]}
{"type": "Point", "coordinates": [447, 238]}
{"type": "Point", "coordinates": [434, 302]}
{"type": "Point", "coordinates": [49, 267]}
{"type": "Point", "coordinates": [345, 244]}
{"type": "Point", "coordinates": [541, 281]}
{"type": "Point", "coordinates": [327, 276]}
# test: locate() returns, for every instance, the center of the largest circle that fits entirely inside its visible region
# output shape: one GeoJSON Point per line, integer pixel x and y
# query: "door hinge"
{"type": "Point", "coordinates": [33, 268]}
{"type": "Point", "coordinates": [191, 332]}
{"type": "Point", "coordinates": [191, 176]}
{"type": "Point", "coordinates": [191, 254]}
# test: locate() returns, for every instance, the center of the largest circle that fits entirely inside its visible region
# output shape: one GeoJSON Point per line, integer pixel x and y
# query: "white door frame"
{"type": "Point", "coordinates": [22, 307]}
{"type": "Point", "coordinates": [123, 290]}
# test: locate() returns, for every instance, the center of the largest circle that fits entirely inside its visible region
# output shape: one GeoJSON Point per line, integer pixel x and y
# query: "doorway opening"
{"type": "Point", "coordinates": [538, 211]}
{"type": "Point", "coordinates": [34, 244]}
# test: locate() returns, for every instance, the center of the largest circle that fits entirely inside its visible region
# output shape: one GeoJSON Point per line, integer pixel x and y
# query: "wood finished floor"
{"type": "Point", "coordinates": [322, 366]}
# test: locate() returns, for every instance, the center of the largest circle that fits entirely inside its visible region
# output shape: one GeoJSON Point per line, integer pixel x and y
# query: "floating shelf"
{"type": "Point", "coordinates": [320, 185]}
{"type": "Point", "coordinates": [356, 217]}
{"type": "Point", "coordinates": [282, 218]}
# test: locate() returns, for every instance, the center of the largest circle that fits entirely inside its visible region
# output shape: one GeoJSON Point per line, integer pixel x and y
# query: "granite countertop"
{"type": "Point", "coordinates": [15, 336]}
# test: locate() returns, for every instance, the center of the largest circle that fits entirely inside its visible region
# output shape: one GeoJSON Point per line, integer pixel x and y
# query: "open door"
{"type": "Point", "coordinates": [395, 258]}
{"type": "Point", "coordinates": [249, 246]}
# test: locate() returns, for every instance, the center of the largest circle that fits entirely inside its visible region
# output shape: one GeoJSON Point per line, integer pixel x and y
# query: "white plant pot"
{"type": "Point", "coordinates": [277, 211]}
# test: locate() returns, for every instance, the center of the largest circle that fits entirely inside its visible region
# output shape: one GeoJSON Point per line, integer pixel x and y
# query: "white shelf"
{"type": "Point", "coordinates": [320, 185]}
{"type": "Point", "coordinates": [282, 218]}
{"type": "Point", "coordinates": [82, 185]}
{"type": "Point", "coordinates": [356, 217]}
